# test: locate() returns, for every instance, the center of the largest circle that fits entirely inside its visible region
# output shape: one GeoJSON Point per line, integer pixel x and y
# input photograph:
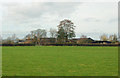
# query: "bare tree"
{"type": "Point", "coordinates": [9, 40]}
{"type": "Point", "coordinates": [36, 35]}
{"type": "Point", "coordinates": [41, 33]}
{"type": "Point", "coordinates": [28, 36]}
{"type": "Point", "coordinates": [118, 37]}
{"type": "Point", "coordinates": [53, 33]}
{"type": "Point", "coordinates": [32, 34]}
{"type": "Point", "coordinates": [104, 37]}
{"type": "Point", "coordinates": [13, 38]}
{"type": "Point", "coordinates": [83, 36]}
{"type": "Point", "coordinates": [113, 38]}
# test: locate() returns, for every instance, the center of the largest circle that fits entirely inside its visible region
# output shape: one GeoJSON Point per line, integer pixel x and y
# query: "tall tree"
{"type": "Point", "coordinates": [66, 26]}
{"type": "Point", "coordinates": [61, 35]}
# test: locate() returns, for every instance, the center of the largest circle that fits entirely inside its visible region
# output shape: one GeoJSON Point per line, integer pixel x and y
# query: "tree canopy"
{"type": "Point", "coordinates": [66, 30]}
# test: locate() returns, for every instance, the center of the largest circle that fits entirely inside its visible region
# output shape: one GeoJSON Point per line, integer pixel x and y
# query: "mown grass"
{"type": "Point", "coordinates": [59, 61]}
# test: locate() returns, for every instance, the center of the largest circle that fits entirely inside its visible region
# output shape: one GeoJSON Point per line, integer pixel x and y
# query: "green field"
{"type": "Point", "coordinates": [59, 61]}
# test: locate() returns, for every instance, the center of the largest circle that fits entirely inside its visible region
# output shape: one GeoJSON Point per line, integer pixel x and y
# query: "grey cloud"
{"type": "Point", "coordinates": [92, 20]}
{"type": "Point", "coordinates": [33, 11]}
{"type": "Point", "coordinates": [29, 16]}
{"type": "Point", "coordinates": [113, 20]}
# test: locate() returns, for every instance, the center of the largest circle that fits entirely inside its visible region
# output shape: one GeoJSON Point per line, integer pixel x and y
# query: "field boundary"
{"type": "Point", "coordinates": [60, 77]}
{"type": "Point", "coordinates": [60, 45]}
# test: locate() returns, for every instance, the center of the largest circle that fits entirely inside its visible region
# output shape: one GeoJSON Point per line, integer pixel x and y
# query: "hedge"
{"type": "Point", "coordinates": [67, 44]}
{"type": "Point", "coordinates": [17, 44]}
{"type": "Point", "coordinates": [89, 44]}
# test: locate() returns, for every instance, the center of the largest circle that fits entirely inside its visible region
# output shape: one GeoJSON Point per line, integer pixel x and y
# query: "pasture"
{"type": "Point", "coordinates": [59, 61]}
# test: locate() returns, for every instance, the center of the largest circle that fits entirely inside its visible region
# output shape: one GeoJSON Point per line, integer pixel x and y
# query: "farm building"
{"type": "Point", "coordinates": [85, 40]}
{"type": "Point", "coordinates": [47, 40]}
{"type": "Point", "coordinates": [42, 41]}
{"type": "Point", "coordinates": [82, 40]}
{"type": "Point", "coordinates": [102, 42]}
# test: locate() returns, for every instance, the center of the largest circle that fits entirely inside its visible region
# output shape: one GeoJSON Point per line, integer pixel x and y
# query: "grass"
{"type": "Point", "coordinates": [59, 61]}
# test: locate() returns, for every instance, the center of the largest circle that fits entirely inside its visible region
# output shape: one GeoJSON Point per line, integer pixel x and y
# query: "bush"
{"type": "Point", "coordinates": [18, 44]}
{"type": "Point", "coordinates": [85, 44]}
{"type": "Point", "coordinates": [64, 44]}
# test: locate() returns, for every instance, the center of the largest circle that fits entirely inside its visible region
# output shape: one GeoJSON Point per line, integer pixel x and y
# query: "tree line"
{"type": "Point", "coordinates": [65, 32]}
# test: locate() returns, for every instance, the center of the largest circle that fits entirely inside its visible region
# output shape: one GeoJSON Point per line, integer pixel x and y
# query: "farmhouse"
{"type": "Point", "coordinates": [54, 40]}
{"type": "Point", "coordinates": [85, 40]}
{"type": "Point", "coordinates": [82, 40]}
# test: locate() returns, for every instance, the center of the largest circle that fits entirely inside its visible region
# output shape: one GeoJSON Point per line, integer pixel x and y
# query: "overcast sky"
{"type": "Point", "coordinates": [90, 18]}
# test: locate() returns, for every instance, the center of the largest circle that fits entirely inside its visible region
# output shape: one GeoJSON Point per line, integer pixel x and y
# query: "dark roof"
{"type": "Point", "coordinates": [86, 39]}
{"type": "Point", "coordinates": [47, 38]}
{"type": "Point", "coordinates": [101, 42]}
{"type": "Point", "coordinates": [21, 41]}
{"type": "Point", "coordinates": [75, 39]}
{"type": "Point", "coordinates": [42, 38]}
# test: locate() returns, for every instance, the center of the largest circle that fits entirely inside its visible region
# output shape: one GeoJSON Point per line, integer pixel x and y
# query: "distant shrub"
{"type": "Point", "coordinates": [84, 44]}
{"type": "Point", "coordinates": [63, 44]}
{"type": "Point", "coordinates": [18, 44]}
